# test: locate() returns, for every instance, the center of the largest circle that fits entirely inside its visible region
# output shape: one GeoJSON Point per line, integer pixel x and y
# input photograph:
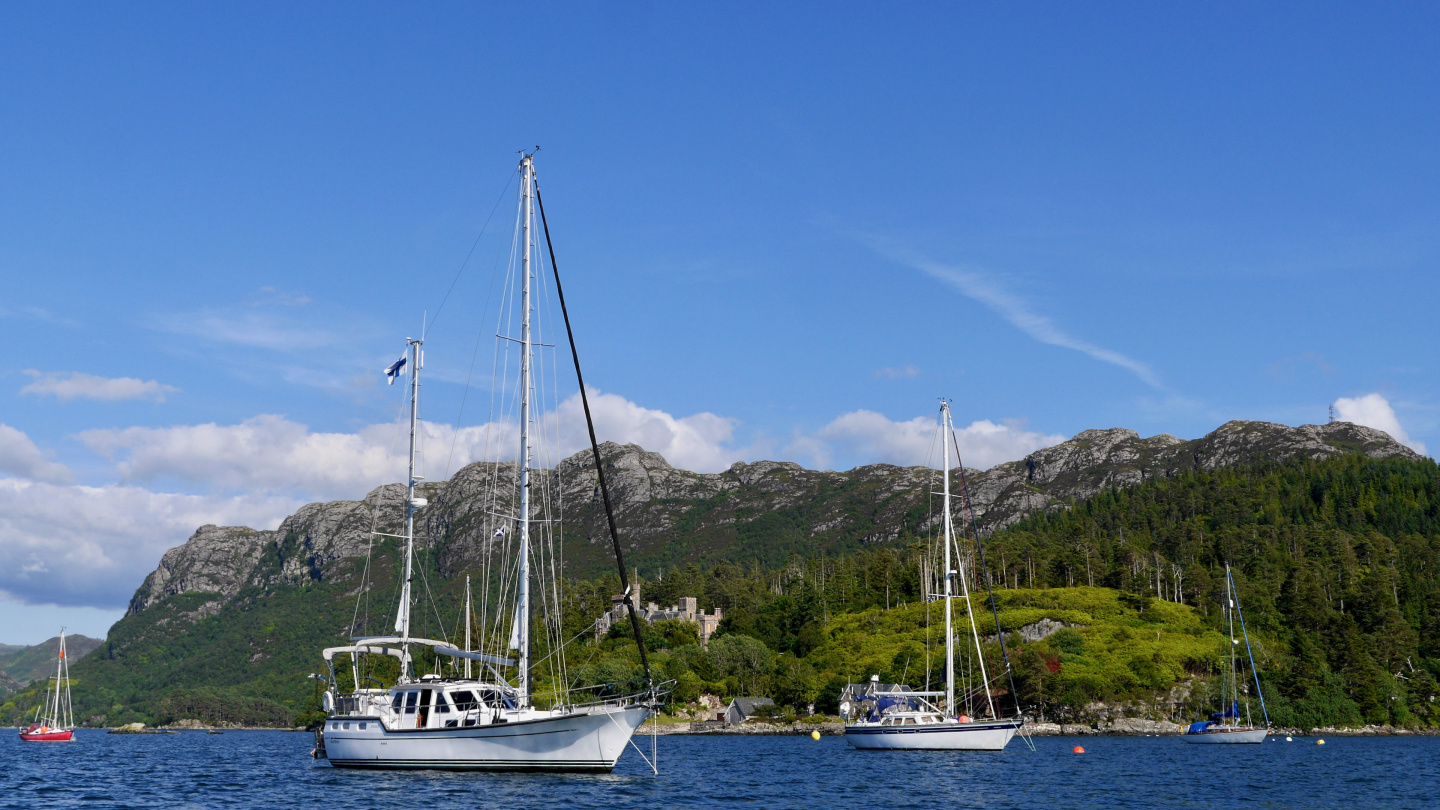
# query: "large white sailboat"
{"type": "Point", "coordinates": [492, 722]}
{"type": "Point", "coordinates": [896, 717]}
{"type": "Point", "coordinates": [1224, 727]}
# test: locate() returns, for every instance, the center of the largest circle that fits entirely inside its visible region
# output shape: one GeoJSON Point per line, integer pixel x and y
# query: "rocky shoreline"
{"type": "Point", "coordinates": [1123, 727]}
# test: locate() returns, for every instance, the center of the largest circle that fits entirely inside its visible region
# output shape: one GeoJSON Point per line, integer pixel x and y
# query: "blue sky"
{"type": "Point", "coordinates": [785, 230]}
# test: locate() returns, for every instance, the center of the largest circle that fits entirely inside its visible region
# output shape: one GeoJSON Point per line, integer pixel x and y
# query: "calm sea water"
{"type": "Point", "coordinates": [273, 769]}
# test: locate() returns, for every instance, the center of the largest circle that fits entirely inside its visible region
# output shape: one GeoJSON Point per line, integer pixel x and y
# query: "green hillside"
{"type": "Point", "coordinates": [1336, 562]}
{"type": "Point", "coordinates": [19, 665]}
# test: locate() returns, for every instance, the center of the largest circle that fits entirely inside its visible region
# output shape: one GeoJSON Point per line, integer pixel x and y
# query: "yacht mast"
{"type": "Point", "coordinates": [964, 581]}
{"type": "Point", "coordinates": [949, 572]}
{"type": "Point", "coordinates": [402, 617]}
{"type": "Point", "coordinates": [55, 720]}
{"type": "Point", "coordinates": [1234, 678]}
{"type": "Point", "coordinates": [522, 612]}
{"type": "Point", "coordinates": [467, 625]}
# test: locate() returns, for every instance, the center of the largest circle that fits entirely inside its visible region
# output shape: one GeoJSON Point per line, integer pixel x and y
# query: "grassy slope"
{"type": "Point", "coordinates": [1170, 639]}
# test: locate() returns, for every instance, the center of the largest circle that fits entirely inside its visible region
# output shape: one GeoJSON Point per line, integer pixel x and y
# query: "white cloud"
{"type": "Point", "coordinates": [696, 442]}
{"type": "Point", "coordinates": [20, 456]}
{"type": "Point", "coordinates": [867, 437]}
{"type": "Point", "coordinates": [270, 453]}
{"type": "Point", "coordinates": [73, 545]}
{"type": "Point", "coordinates": [263, 454]}
{"type": "Point", "coordinates": [1373, 410]}
{"type": "Point", "coordinates": [77, 385]}
{"type": "Point", "coordinates": [904, 372]}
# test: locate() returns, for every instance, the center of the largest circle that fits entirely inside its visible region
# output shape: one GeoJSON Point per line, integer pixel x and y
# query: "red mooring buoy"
{"type": "Point", "coordinates": [1079, 749]}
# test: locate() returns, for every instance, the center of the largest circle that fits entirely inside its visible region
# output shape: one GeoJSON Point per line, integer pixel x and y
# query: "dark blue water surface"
{"type": "Point", "coordinates": [273, 769]}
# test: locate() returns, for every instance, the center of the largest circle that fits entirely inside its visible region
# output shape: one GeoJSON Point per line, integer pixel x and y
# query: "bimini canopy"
{"type": "Point", "coordinates": [331, 652]}
{"type": "Point", "coordinates": [440, 648]}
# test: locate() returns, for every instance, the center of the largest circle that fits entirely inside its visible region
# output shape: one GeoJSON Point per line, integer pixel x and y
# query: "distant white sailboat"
{"type": "Point", "coordinates": [897, 717]}
{"type": "Point", "coordinates": [489, 723]}
{"type": "Point", "coordinates": [1224, 727]}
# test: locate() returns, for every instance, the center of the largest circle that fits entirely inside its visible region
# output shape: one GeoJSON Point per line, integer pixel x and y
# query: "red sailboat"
{"type": "Point", "coordinates": [58, 721]}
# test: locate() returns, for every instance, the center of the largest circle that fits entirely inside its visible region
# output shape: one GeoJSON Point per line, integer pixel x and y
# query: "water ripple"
{"type": "Point", "coordinates": [272, 769]}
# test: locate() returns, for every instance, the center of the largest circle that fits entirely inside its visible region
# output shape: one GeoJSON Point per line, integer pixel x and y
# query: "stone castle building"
{"type": "Point", "coordinates": [688, 611]}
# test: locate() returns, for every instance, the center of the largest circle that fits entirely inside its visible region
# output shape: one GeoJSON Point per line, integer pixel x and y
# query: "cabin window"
{"type": "Point", "coordinates": [464, 700]}
{"type": "Point", "coordinates": [497, 699]}
{"type": "Point", "coordinates": [334, 726]}
{"type": "Point", "coordinates": [362, 726]}
{"type": "Point", "coordinates": [347, 726]}
{"type": "Point", "coordinates": [410, 698]}
{"type": "Point", "coordinates": [441, 706]}
{"type": "Point", "coordinates": [395, 701]}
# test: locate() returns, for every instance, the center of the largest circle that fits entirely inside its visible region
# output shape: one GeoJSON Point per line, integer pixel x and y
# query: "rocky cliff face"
{"type": "Point", "coordinates": [766, 510]}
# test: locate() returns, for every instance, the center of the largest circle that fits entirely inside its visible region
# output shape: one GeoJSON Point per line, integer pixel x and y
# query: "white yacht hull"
{"type": "Point", "coordinates": [981, 736]}
{"type": "Point", "coordinates": [590, 740]}
{"type": "Point", "coordinates": [1226, 736]}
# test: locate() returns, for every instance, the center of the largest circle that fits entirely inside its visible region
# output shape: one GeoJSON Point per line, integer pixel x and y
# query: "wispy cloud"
{"type": "Point", "coordinates": [275, 297]}
{"type": "Point", "coordinates": [41, 314]}
{"type": "Point", "coordinates": [254, 329]}
{"type": "Point", "coordinates": [77, 385]}
{"type": "Point", "coordinates": [984, 289]}
{"type": "Point", "coordinates": [901, 373]}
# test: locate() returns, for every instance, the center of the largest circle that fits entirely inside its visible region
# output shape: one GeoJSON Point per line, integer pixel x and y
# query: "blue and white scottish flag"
{"type": "Point", "coordinates": [395, 370]}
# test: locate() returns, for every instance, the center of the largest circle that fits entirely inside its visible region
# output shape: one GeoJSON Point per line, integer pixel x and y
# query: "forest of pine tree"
{"type": "Point", "coordinates": [1337, 565]}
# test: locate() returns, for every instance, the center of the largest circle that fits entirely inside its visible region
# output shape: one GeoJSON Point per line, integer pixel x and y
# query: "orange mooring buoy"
{"type": "Point", "coordinates": [1079, 749]}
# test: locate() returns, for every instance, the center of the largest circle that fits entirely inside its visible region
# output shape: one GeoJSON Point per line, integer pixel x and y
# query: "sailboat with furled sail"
{"type": "Point", "coordinates": [54, 719]}
{"type": "Point", "coordinates": [449, 717]}
{"type": "Point", "coordinates": [893, 716]}
{"type": "Point", "coordinates": [1225, 726]}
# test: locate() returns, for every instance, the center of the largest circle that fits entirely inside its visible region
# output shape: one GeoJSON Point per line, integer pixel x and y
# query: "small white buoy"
{"type": "Point", "coordinates": [1289, 739]}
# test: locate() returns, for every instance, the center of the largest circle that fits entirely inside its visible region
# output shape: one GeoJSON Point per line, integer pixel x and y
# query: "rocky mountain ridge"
{"type": "Point", "coordinates": [764, 511]}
